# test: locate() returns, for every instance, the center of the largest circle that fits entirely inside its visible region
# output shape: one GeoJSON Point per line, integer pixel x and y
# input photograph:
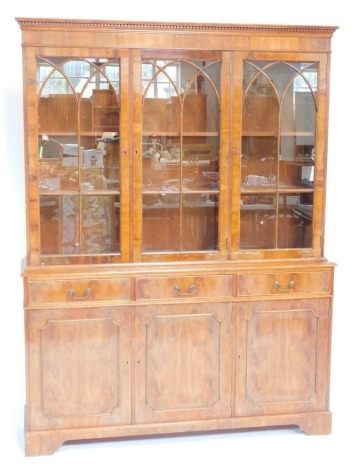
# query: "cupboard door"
{"type": "Point", "coordinates": [282, 356]}
{"type": "Point", "coordinates": [182, 362]}
{"type": "Point", "coordinates": [282, 153]}
{"type": "Point", "coordinates": [278, 147]}
{"type": "Point", "coordinates": [79, 368]}
{"type": "Point", "coordinates": [79, 167]}
{"type": "Point", "coordinates": [182, 157]}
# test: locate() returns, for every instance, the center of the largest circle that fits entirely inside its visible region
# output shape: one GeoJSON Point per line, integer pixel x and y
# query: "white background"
{"type": "Point", "coordinates": [270, 449]}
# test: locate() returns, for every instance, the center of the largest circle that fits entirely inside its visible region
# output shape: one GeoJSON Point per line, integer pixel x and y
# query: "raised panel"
{"type": "Point", "coordinates": [183, 370]}
{"type": "Point", "coordinates": [293, 333]}
{"type": "Point", "coordinates": [282, 356]}
{"type": "Point", "coordinates": [67, 347]}
{"type": "Point", "coordinates": [83, 362]}
{"type": "Point", "coordinates": [167, 391]}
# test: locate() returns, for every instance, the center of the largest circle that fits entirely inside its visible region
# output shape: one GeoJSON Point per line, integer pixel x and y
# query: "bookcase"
{"type": "Point", "coordinates": [175, 278]}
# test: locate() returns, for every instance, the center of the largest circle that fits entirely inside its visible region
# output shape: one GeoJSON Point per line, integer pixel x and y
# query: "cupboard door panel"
{"type": "Point", "coordinates": [282, 357]}
{"type": "Point", "coordinates": [182, 367]}
{"type": "Point", "coordinates": [79, 368]}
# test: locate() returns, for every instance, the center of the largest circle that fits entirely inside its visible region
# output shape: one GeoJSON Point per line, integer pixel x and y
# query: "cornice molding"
{"type": "Point", "coordinates": [53, 23]}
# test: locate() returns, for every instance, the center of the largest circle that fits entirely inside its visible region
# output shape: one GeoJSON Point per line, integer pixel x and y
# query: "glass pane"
{"type": "Point", "coordinates": [297, 173]}
{"type": "Point", "coordinates": [260, 104]}
{"type": "Point", "coordinates": [259, 161]}
{"type": "Point", "coordinates": [295, 220]}
{"type": "Point", "coordinates": [258, 221]}
{"type": "Point", "coordinates": [100, 227]}
{"type": "Point", "coordinates": [199, 222]}
{"type": "Point", "coordinates": [181, 113]}
{"type": "Point", "coordinates": [297, 156]}
{"type": "Point", "coordinates": [278, 152]}
{"type": "Point", "coordinates": [69, 232]}
{"type": "Point", "coordinates": [60, 229]}
{"type": "Point", "coordinates": [49, 225]}
{"type": "Point", "coordinates": [78, 153]}
{"type": "Point", "coordinates": [161, 223]}
{"type": "Point", "coordinates": [59, 224]}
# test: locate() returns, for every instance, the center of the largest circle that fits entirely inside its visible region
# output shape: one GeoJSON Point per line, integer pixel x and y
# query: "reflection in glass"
{"type": "Point", "coordinates": [100, 224]}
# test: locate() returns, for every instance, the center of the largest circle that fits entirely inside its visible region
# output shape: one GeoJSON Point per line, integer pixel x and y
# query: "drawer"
{"type": "Point", "coordinates": [183, 287]}
{"type": "Point", "coordinates": [78, 290]}
{"type": "Point", "coordinates": [273, 283]}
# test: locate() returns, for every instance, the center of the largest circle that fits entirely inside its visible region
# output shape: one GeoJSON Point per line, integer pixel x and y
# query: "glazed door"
{"type": "Point", "coordinates": [282, 356]}
{"type": "Point", "coordinates": [183, 150]}
{"type": "Point", "coordinates": [281, 168]}
{"type": "Point", "coordinates": [182, 362]}
{"type": "Point", "coordinates": [81, 158]}
{"type": "Point", "coordinates": [79, 368]}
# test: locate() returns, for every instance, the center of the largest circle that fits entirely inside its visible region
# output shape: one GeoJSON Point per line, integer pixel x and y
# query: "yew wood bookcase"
{"type": "Point", "coordinates": [175, 278]}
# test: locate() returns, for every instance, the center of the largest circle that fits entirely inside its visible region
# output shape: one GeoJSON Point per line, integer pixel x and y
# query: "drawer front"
{"type": "Point", "coordinates": [273, 283]}
{"type": "Point", "coordinates": [78, 290]}
{"type": "Point", "coordinates": [183, 287]}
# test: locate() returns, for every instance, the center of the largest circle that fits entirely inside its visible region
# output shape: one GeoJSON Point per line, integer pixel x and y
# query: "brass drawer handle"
{"type": "Point", "coordinates": [191, 288]}
{"type": "Point", "coordinates": [87, 293]}
{"type": "Point", "coordinates": [290, 286]}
